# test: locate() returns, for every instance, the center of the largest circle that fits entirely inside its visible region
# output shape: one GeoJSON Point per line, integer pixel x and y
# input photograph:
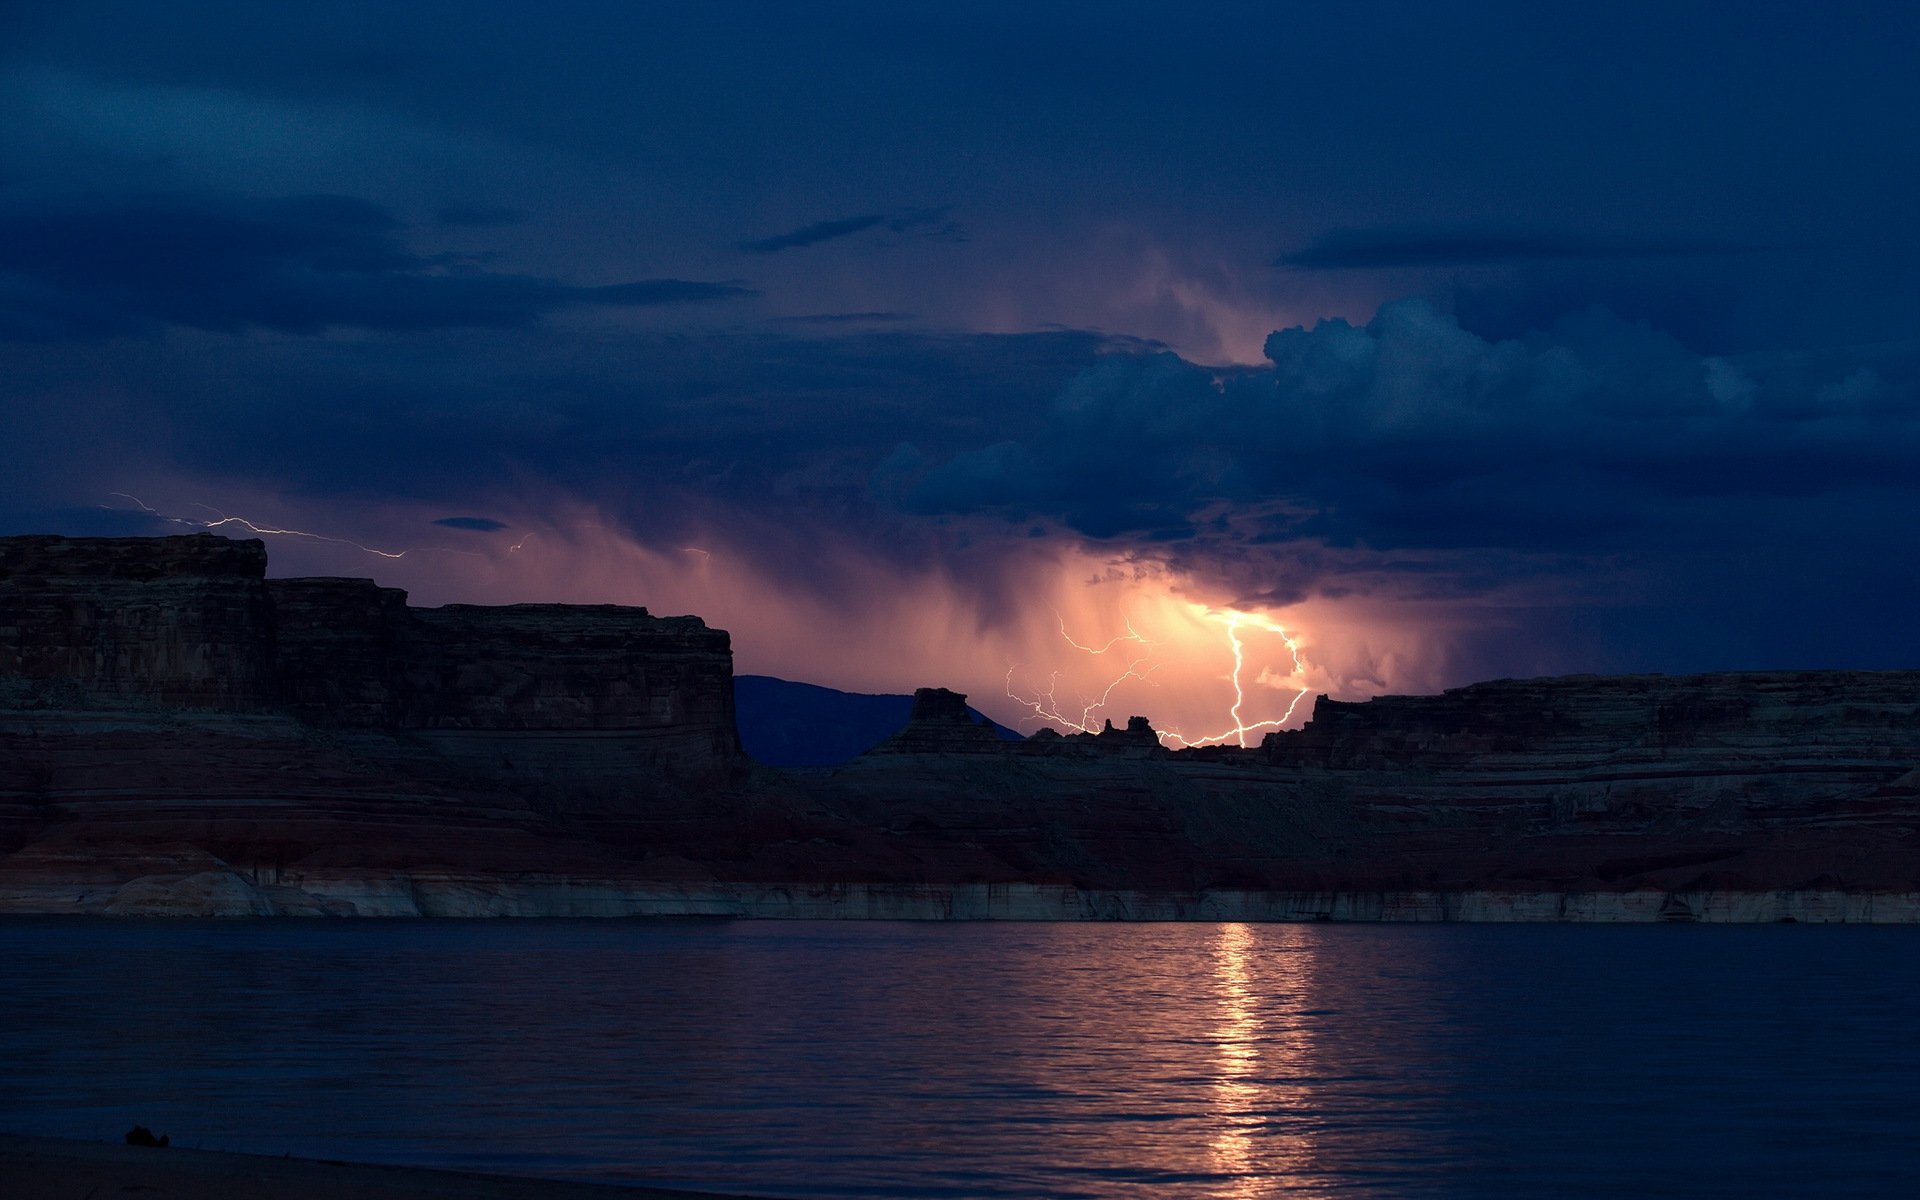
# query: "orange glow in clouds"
{"type": "Point", "coordinates": [1188, 636]}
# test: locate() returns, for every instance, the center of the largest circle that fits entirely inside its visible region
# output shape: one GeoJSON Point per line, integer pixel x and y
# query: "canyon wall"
{"type": "Point", "coordinates": [593, 701]}
{"type": "Point", "coordinates": [179, 621]}
{"type": "Point", "coordinates": [169, 668]}
{"type": "Point", "coordinates": [1754, 782]}
{"type": "Point", "coordinates": [1594, 754]}
{"type": "Point", "coordinates": [192, 623]}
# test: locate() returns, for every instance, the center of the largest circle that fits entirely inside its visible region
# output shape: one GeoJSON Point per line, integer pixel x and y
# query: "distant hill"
{"type": "Point", "coordinates": [788, 724]}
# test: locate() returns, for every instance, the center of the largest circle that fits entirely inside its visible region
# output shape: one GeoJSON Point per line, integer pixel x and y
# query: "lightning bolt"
{"type": "Point", "coordinates": [151, 511]}
{"type": "Point", "coordinates": [1129, 636]}
{"type": "Point", "coordinates": [1044, 703]}
{"type": "Point", "coordinates": [1231, 620]}
{"type": "Point", "coordinates": [222, 520]}
{"type": "Point", "coordinates": [1045, 706]}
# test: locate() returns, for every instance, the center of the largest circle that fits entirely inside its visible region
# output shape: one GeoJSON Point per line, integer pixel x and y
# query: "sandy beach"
{"type": "Point", "coordinates": [39, 1168]}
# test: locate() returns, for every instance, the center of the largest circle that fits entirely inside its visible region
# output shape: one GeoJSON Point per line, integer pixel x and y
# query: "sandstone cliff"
{"type": "Point", "coordinates": [161, 702]}
{"type": "Point", "coordinates": [179, 621]}
{"type": "Point", "coordinates": [191, 623]}
{"type": "Point", "coordinates": [589, 698]}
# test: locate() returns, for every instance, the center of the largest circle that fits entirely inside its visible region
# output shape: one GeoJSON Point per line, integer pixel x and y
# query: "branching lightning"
{"type": "Point", "coordinates": [1232, 620]}
{"type": "Point", "coordinates": [1131, 635]}
{"type": "Point", "coordinates": [221, 519]}
{"type": "Point", "coordinates": [1045, 705]}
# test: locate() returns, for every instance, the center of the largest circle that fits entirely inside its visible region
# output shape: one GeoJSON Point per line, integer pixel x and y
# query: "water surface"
{"type": "Point", "coordinates": [993, 1060]}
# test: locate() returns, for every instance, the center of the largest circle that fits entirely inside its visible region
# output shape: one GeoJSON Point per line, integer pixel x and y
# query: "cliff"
{"type": "Point", "coordinates": [941, 723]}
{"type": "Point", "coordinates": [1594, 755]}
{"type": "Point", "coordinates": [161, 702]}
{"type": "Point", "coordinates": [191, 623]}
{"type": "Point", "coordinates": [592, 697]}
{"type": "Point", "coordinates": [179, 734]}
{"type": "Point", "coordinates": [179, 621]}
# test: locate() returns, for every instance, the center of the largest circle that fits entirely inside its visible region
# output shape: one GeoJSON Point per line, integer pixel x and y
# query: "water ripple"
{"type": "Point", "coordinates": [1114, 1062]}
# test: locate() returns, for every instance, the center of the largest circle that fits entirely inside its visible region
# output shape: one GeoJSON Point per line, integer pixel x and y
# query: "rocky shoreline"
{"type": "Point", "coordinates": [228, 894]}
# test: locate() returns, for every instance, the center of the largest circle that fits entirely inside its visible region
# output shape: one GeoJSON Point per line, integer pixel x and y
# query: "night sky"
{"type": "Point", "coordinates": [1021, 348]}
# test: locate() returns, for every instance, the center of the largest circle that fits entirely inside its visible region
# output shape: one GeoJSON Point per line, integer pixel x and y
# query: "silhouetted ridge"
{"type": "Point", "coordinates": [788, 724]}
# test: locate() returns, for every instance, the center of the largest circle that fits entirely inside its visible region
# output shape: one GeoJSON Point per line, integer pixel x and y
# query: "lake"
{"type": "Point", "coordinates": [993, 1060]}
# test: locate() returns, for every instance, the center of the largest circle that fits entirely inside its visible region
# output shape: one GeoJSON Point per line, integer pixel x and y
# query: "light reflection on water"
{"type": "Point", "coordinates": [1238, 1091]}
{"type": "Point", "coordinates": [1207, 1061]}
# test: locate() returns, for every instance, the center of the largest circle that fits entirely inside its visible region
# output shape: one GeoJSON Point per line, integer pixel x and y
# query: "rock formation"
{"type": "Point", "coordinates": [592, 694]}
{"type": "Point", "coordinates": [166, 711]}
{"type": "Point", "coordinates": [180, 735]}
{"type": "Point", "coordinates": [179, 621]}
{"type": "Point", "coordinates": [192, 623]}
{"type": "Point", "coordinates": [941, 723]}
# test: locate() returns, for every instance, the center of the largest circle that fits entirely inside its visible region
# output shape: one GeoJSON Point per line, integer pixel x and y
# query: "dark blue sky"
{"type": "Point", "coordinates": [1553, 337]}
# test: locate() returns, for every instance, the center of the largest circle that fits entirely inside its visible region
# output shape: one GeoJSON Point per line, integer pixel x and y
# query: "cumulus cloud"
{"type": "Point", "coordinates": [298, 264]}
{"type": "Point", "coordinates": [1410, 430]}
{"type": "Point", "coordinates": [1597, 464]}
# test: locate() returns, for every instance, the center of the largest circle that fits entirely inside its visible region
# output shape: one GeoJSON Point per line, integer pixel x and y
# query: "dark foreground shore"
{"type": "Point", "coordinates": [38, 1168]}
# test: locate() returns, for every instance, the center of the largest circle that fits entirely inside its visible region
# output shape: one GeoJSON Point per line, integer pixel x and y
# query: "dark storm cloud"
{"type": "Point", "coordinates": [930, 223]}
{"type": "Point", "coordinates": [1406, 456]}
{"type": "Point", "coordinates": [1374, 249]}
{"type": "Point", "coordinates": [847, 318]}
{"type": "Point", "coordinates": [476, 524]}
{"type": "Point", "coordinates": [771, 439]}
{"type": "Point", "coordinates": [1701, 309]}
{"type": "Point", "coordinates": [1410, 432]}
{"type": "Point", "coordinates": [297, 265]}
{"type": "Point", "coordinates": [1660, 509]}
{"type": "Point", "coordinates": [813, 235]}
{"type": "Point", "coordinates": [728, 418]}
